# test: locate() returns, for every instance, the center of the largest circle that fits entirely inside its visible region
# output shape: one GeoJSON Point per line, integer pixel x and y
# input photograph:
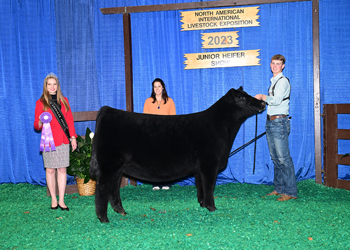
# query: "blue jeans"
{"type": "Point", "coordinates": [277, 132]}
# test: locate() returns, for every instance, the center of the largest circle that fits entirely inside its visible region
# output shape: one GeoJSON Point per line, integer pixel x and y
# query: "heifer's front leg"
{"type": "Point", "coordinates": [115, 200]}
{"type": "Point", "coordinates": [199, 189]}
{"type": "Point", "coordinates": [208, 182]}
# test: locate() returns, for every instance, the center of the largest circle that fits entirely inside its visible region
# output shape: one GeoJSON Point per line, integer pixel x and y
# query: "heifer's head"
{"type": "Point", "coordinates": [243, 103]}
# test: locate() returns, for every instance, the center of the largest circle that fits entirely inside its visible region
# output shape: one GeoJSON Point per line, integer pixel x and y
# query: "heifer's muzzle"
{"type": "Point", "coordinates": [263, 104]}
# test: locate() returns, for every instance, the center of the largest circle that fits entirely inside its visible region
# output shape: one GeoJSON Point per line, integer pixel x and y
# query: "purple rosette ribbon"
{"type": "Point", "coordinates": [46, 133]}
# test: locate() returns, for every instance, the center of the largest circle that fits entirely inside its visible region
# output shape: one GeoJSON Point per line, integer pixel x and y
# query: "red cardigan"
{"type": "Point", "coordinates": [59, 136]}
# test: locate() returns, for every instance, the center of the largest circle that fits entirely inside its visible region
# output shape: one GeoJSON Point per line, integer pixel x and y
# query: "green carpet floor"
{"type": "Point", "coordinates": [245, 219]}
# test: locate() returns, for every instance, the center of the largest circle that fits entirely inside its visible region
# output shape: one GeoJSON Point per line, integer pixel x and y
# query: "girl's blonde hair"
{"type": "Point", "coordinates": [45, 97]}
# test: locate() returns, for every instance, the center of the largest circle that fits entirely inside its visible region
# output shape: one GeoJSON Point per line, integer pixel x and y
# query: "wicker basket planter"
{"type": "Point", "coordinates": [86, 189]}
{"type": "Point", "coordinates": [79, 164]}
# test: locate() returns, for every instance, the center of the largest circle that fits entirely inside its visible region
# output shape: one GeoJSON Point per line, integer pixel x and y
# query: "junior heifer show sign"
{"type": "Point", "coordinates": [218, 19]}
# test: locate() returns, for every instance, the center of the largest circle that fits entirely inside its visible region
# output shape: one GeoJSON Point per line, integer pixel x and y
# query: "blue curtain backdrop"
{"type": "Point", "coordinates": [335, 62]}
{"type": "Point", "coordinates": [85, 49]}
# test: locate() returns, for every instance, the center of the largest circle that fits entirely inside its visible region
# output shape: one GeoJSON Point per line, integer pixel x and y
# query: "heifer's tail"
{"type": "Point", "coordinates": [94, 169]}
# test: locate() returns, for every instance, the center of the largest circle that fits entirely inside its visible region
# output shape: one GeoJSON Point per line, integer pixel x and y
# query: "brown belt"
{"type": "Point", "coordinates": [273, 117]}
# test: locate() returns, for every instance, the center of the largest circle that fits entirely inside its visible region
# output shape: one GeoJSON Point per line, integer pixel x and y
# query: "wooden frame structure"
{"type": "Point", "coordinates": [227, 3]}
{"type": "Point", "coordinates": [331, 136]}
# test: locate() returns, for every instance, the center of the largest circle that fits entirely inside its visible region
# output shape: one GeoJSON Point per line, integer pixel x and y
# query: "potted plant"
{"type": "Point", "coordinates": [79, 164]}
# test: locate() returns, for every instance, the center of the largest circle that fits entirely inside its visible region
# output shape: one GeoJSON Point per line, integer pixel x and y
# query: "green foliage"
{"type": "Point", "coordinates": [79, 161]}
{"type": "Point", "coordinates": [345, 156]}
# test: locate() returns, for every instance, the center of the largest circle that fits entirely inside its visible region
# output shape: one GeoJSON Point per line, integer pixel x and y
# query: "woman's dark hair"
{"type": "Point", "coordinates": [164, 93]}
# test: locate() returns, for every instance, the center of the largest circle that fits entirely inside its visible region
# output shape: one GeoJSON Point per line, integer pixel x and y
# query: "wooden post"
{"type": "Point", "coordinates": [128, 63]}
{"type": "Point", "coordinates": [128, 78]}
{"type": "Point", "coordinates": [330, 145]}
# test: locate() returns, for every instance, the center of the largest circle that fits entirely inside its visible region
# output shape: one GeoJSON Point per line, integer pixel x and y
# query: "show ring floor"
{"type": "Point", "coordinates": [172, 219]}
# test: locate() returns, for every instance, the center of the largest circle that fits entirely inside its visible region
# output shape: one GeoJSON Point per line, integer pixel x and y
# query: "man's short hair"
{"type": "Point", "coordinates": [279, 58]}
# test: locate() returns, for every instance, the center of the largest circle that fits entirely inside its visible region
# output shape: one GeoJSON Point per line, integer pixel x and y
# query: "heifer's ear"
{"type": "Point", "coordinates": [240, 89]}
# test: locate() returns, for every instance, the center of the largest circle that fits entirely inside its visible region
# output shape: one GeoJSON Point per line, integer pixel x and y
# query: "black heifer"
{"type": "Point", "coordinates": [165, 148]}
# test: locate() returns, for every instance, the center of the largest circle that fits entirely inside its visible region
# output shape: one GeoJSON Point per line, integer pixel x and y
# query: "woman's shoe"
{"type": "Point", "coordinates": [64, 208]}
{"type": "Point", "coordinates": [54, 208]}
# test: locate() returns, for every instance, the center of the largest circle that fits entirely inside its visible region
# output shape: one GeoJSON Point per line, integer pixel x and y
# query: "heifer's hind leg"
{"type": "Point", "coordinates": [115, 200]}
{"type": "Point", "coordinates": [102, 195]}
{"type": "Point", "coordinates": [199, 187]}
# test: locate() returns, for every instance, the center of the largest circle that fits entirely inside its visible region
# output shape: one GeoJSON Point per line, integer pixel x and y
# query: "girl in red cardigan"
{"type": "Point", "coordinates": [56, 159]}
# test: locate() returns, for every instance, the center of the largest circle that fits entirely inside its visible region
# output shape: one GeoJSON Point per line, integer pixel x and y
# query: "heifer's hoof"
{"type": "Point", "coordinates": [104, 220]}
{"type": "Point", "coordinates": [119, 209]}
{"type": "Point", "coordinates": [124, 213]}
{"type": "Point", "coordinates": [211, 208]}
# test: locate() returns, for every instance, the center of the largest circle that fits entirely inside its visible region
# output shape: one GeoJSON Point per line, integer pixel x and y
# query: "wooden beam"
{"type": "Point", "coordinates": [85, 116]}
{"type": "Point", "coordinates": [343, 108]}
{"type": "Point", "coordinates": [128, 63]}
{"type": "Point", "coordinates": [344, 161]}
{"type": "Point", "coordinates": [344, 134]}
{"type": "Point", "coordinates": [317, 96]}
{"type": "Point", "coordinates": [344, 184]}
{"type": "Point", "coordinates": [186, 6]}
